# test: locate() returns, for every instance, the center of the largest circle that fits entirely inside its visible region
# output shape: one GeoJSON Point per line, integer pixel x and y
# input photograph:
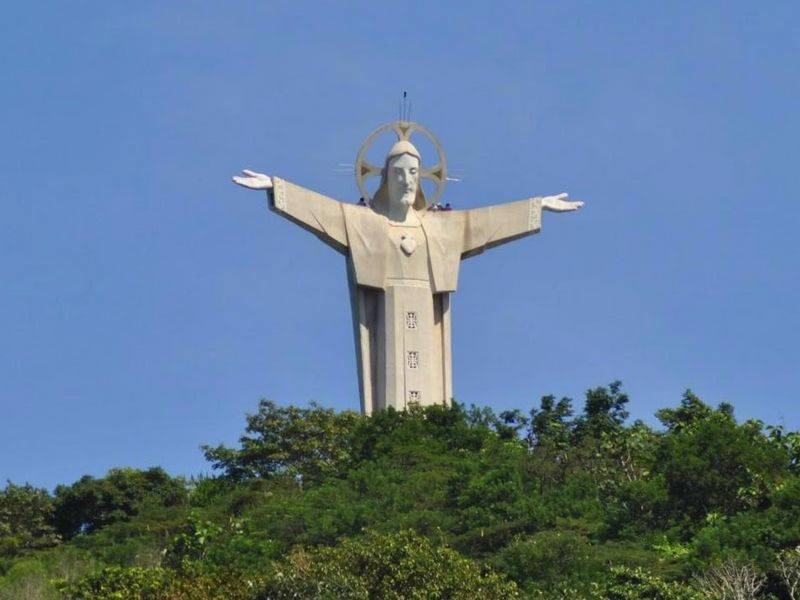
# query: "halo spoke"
{"type": "Point", "coordinates": [436, 172]}
{"type": "Point", "coordinates": [403, 130]}
{"type": "Point", "coordinates": [366, 169]}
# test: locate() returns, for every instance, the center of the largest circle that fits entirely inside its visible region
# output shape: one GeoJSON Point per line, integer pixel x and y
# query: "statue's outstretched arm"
{"type": "Point", "coordinates": [319, 214]}
{"type": "Point", "coordinates": [494, 225]}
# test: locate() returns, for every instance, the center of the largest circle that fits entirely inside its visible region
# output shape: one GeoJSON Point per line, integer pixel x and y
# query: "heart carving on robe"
{"type": "Point", "coordinates": [408, 244]}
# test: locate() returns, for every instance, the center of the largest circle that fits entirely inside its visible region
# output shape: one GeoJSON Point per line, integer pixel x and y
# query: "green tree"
{"type": "Point", "coordinates": [550, 424]}
{"type": "Point", "coordinates": [204, 545]}
{"type": "Point", "coordinates": [118, 583]}
{"type": "Point", "coordinates": [90, 504]}
{"type": "Point", "coordinates": [604, 410]}
{"type": "Point", "coordinates": [26, 516]}
{"type": "Point", "coordinates": [510, 423]}
{"type": "Point", "coordinates": [789, 442]}
{"type": "Point", "coordinates": [309, 443]}
{"type": "Point", "coordinates": [398, 566]}
{"type": "Point", "coordinates": [549, 439]}
{"type": "Point", "coordinates": [634, 498]}
{"type": "Point", "coordinates": [714, 465]}
{"type": "Point", "coordinates": [546, 558]}
{"type": "Point", "coordinates": [752, 535]}
{"type": "Point", "coordinates": [637, 584]}
{"type": "Point", "coordinates": [692, 410]}
{"type": "Point", "coordinates": [488, 498]}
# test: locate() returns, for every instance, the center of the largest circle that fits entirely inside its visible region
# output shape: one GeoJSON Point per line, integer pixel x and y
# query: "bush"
{"type": "Point", "coordinates": [118, 583]}
{"type": "Point", "coordinates": [208, 547]}
{"type": "Point", "coordinates": [27, 580]}
{"type": "Point", "coordinates": [547, 558]}
{"type": "Point", "coordinates": [90, 504]}
{"type": "Point", "coordinates": [637, 584]}
{"type": "Point", "coordinates": [399, 566]}
{"type": "Point", "coordinates": [135, 583]}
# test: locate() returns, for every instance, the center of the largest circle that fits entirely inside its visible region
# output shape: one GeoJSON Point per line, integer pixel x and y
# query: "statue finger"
{"type": "Point", "coordinates": [250, 173]}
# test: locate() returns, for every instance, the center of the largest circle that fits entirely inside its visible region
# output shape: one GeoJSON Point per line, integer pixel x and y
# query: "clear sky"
{"type": "Point", "coordinates": [147, 303]}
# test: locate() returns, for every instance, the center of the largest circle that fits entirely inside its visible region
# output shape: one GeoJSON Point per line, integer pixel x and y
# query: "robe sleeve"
{"type": "Point", "coordinates": [494, 225]}
{"type": "Point", "coordinates": [314, 212]}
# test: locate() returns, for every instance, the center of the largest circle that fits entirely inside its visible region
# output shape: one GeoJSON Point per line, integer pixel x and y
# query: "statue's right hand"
{"type": "Point", "coordinates": [253, 180]}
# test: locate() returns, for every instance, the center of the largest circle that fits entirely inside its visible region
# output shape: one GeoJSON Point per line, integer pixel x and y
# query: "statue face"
{"type": "Point", "coordinates": [402, 179]}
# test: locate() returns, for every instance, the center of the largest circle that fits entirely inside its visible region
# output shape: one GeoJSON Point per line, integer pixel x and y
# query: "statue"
{"type": "Point", "coordinates": [403, 254]}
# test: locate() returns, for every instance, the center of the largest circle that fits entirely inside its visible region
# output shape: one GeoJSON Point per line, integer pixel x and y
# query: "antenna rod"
{"type": "Point", "coordinates": [404, 114]}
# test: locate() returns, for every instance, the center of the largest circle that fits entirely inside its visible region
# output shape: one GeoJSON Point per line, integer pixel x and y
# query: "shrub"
{"type": "Point", "coordinates": [547, 558]}
{"type": "Point", "coordinates": [625, 583]}
{"type": "Point", "coordinates": [399, 566]}
{"type": "Point", "coordinates": [118, 583]}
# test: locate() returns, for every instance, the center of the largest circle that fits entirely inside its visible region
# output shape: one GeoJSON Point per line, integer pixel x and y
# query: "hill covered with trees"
{"type": "Point", "coordinates": [441, 502]}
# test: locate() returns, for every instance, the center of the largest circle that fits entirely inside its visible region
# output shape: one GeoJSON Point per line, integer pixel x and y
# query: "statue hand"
{"type": "Point", "coordinates": [559, 203]}
{"type": "Point", "coordinates": [253, 180]}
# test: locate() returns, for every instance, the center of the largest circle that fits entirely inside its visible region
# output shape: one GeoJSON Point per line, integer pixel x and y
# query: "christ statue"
{"type": "Point", "coordinates": [403, 256]}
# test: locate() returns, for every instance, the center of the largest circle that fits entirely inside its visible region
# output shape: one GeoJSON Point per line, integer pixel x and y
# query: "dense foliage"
{"type": "Point", "coordinates": [441, 502]}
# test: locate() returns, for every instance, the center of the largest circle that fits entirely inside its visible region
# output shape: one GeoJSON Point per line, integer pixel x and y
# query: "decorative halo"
{"type": "Point", "coordinates": [403, 130]}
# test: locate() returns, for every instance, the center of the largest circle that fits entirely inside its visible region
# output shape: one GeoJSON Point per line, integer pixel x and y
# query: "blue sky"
{"type": "Point", "coordinates": [147, 303]}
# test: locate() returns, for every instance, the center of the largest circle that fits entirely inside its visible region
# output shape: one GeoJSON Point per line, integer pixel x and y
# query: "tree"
{"type": "Point", "coordinates": [549, 425]}
{"type": "Point", "coordinates": [546, 558]}
{"type": "Point", "coordinates": [549, 439]}
{"type": "Point", "coordinates": [634, 499]}
{"type": "Point", "coordinates": [731, 580]}
{"type": "Point", "coordinates": [396, 566]}
{"type": "Point", "coordinates": [604, 410]}
{"type": "Point", "coordinates": [487, 497]}
{"type": "Point", "coordinates": [691, 410]}
{"type": "Point", "coordinates": [308, 443]}
{"type": "Point", "coordinates": [118, 583]}
{"type": "Point", "coordinates": [90, 504]}
{"type": "Point", "coordinates": [510, 423]}
{"type": "Point", "coordinates": [715, 465]}
{"type": "Point", "coordinates": [636, 584]}
{"type": "Point", "coordinates": [789, 442]}
{"type": "Point", "coordinates": [789, 569]}
{"type": "Point", "coordinates": [26, 513]}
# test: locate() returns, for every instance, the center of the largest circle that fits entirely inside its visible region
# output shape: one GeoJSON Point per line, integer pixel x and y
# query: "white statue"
{"type": "Point", "coordinates": [403, 256]}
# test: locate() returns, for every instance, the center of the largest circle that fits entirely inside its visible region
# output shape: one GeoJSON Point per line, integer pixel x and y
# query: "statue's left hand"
{"type": "Point", "coordinates": [253, 180]}
{"type": "Point", "coordinates": [559, 203]}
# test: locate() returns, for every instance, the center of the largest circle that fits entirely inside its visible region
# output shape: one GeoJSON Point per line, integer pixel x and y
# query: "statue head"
{"type": "Point", "coordinates": [400, 179]}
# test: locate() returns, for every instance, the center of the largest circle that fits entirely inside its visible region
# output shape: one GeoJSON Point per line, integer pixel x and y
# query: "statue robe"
{"type": "Point", "coordinates": [401, 300]}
